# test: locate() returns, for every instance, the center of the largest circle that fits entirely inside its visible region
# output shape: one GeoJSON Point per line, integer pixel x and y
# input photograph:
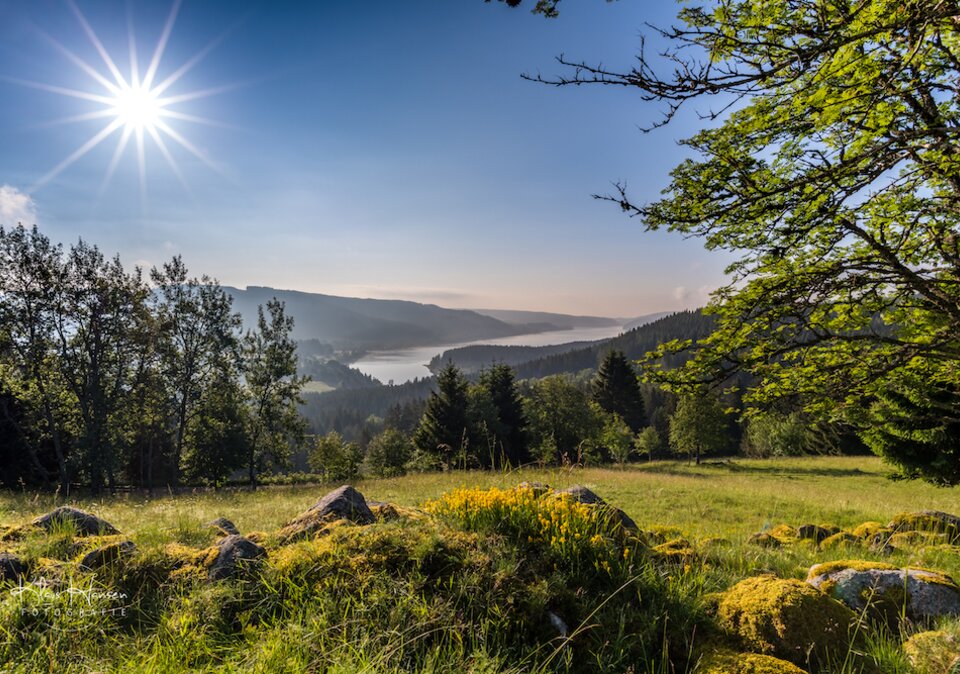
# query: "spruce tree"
{"type": "Point", "coordinates": [499, 382]}
{"type": "Point", "coordinates": [617, 390]}
{"type": "Point", "coordinates": [443, 427]}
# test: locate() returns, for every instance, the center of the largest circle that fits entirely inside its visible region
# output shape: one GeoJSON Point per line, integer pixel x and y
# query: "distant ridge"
{"type": "Point", "coordinates": [350, 323]}
{"type": "Point", "coordinates": [559, 321]}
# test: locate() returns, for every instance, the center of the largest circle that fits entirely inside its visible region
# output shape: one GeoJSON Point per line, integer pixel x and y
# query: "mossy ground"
{"type": "Point", "coordinates": [432, 593]}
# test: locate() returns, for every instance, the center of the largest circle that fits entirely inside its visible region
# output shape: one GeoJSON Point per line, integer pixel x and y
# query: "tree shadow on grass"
{"type": "Point", "coordinates": [711, 468]}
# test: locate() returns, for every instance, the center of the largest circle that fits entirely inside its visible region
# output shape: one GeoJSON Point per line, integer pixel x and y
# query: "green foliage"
{"type": "Point", "coordinates": [510, 440]}
{"type": "Point", "coordinates": [617, 390]}
{"type": "Point", "coordinates": [562, 421]}
{"type": "Point", "coordinates": [388, 454]}
{"type": "Point", "coordinates": [648, 442]}
{"type": "Point", "coordinates": [616, 437]}
{"type": "Point", "coordinates": [774, 434]}
{"type": "Point", "coordinates": [334, 459]}
{"type": "Point", "coordinates": [216, 435]}
{"type": "Point", "coordinates": [699, 426]}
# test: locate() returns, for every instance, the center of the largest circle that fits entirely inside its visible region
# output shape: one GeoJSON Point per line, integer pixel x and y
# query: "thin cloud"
{"type": "Point", "coordinates": [16, 206]}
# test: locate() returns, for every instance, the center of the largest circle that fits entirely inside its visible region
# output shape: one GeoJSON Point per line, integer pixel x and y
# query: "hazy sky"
{"type": "Point", "coordinates": [378, 149]}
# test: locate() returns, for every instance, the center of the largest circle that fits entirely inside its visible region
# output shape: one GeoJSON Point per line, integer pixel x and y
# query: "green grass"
{"type": "Point", "coordinates": [468, 588]}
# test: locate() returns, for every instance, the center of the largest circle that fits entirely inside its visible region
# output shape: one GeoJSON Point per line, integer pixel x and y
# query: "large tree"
{"type": "Point", "coordinates": [272, 389]}
{"type": "Point", "coordinates": [198, 338]}
{"type": "Point", "coordinates": [829, 168]}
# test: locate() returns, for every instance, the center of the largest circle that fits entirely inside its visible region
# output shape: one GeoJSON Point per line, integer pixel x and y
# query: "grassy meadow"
{"type": "Point", "coordinates": [466, 588]}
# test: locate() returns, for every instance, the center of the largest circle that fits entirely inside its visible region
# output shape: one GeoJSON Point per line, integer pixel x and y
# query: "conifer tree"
{"type": "Point", "coordinates": [443, 427]}
{"type": "Point", "coordinates": [499, 382]}
{"type": "Point", "coordinates": [617, 390]}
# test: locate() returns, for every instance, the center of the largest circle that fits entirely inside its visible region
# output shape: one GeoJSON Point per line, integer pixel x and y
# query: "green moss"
{"type": "Point", "coordinates": [656, 534]}
{"type": "Point", "coordinates": [911, 540]}
{"type": "Point", "coordinates": [784, 533]}
{"type": "Point", "coordinates": [932, 652]}
{"type": "Point", "coordinates": [728, 662]}
{"type": "Point", "coordinates": [868, 530]}
{"type": "Point", "coordinates": [786, 618]}
{"type": "Point", "coordinates": [844, 539]}
{"type": "Point", "coordinates": [764, 541]}
{"type": "Point", "coordinates": [677, 551]}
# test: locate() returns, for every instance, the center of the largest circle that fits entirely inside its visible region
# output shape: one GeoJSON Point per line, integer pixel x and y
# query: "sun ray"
{"type": "Point", "coordinates": [83, 65]}
{"type": "Point", "coordinates": [132, 41]}
{"type": "Point", "coordinates": [85, 117]}
{"type": "Point", "coordinates": [158, 139]}
{"type": "Point", "coordinates": [114, 70]}
{"type": "Point", "coordinates": [141, 165]}
{"type": "Point", "coordinates": [73, 93]}
{"type": "Point", "coordinates": [161, 45]}
{"type": "Point", "coordinates": [186, 144]}
{"type": "Point", "coordinates": [202, 93]}
{"type": "Point", "coordinates": [117, 153]}
{"type": "Point", "coordinates": [186, 67]}
{"type": "Point", "coordinates": [173, 114]}
{"type": "Point", "coordinates": [79, 152]}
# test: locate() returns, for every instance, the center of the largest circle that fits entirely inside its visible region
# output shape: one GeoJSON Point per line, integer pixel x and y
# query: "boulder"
{"type": "Point", "coordinates": [764, 540]}
{"type": "Point", "coordinates": [342, 503]}
{"type": "Point", "coordinates": [787, 619]}
{"type": "Point", "coordinates": [581, 494]}
{"type": "Point", "coordinates": [11, 567]}
{"type": "Point", "coordinates": [235, 555]}
{"type": "Point", "coordinates": [224, 527]}
{"type": "Point", "coordinates": [84, 523]}
{"type": "Point", "coordinates": [932, 652]}
{"type": "Point", "coordinates": [886, 591]}
{"type": "Point", "coordinates": [106, 554]}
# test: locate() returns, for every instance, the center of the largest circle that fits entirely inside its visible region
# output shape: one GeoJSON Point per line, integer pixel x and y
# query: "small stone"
{"type": "Point", "coordinates": [224, 526]}
{"type": "Point", "coordinates": [11, 567]}
{"type": "Point", "coordinates": [236, 554]}
{"type": "Point", "coordinates": [85, 523]}
{"type": "Point", "coordinates": [816, 532]}
{"type": "Point", "coordinates": [106, 554]}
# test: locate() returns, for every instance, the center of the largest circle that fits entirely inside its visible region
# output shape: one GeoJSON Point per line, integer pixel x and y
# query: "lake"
{"type": "Point", "coordinates": [405, 365]}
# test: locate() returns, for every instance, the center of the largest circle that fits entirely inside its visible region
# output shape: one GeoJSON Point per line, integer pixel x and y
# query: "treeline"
{"type": "Point", "coordinates": [107, 380]}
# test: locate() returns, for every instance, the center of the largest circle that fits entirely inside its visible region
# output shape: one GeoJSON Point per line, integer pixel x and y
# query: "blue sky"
{"type": "Point", "coordinates": [378, 149]}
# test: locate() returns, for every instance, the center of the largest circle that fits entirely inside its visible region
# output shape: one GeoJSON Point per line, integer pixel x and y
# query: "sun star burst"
{"type": "Point", "coordinates": [135, 105]}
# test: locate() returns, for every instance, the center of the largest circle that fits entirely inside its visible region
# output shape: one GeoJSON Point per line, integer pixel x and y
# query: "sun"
{"type": "Point", "coordinates": [138, 108]}
{"type": "Point", "coordinates": [135, 105]}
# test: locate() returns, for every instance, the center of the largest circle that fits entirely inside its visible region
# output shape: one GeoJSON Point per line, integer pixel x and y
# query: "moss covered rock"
{"type": "Point", "coordinates": [764, 540]}
{"type": "Point", "coordinates": [817, 532]}
{"type": "Point", "coordinates": [932, 652]}
{"type": "Point", "coordinates": [83, 523]}
{"type": "Point", "coordinates": [933, 521]}
{"type": "Point", "coordinates": [886, 591]}
{"type": "Point", "coordinates": [106, 554]}
{"type": "Point", "coordinates": [235, 555]}
{"type": "Point", "coordinates": [678, 551]}
{"type": "Point", "coordinates": [785, 618]}
{"type": "Point", "coordinates": [727, 662]}
{"type": "Point", "coordinates": [342, 503]}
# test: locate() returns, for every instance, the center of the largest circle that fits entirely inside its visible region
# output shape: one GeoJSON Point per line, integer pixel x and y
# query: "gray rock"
{"type": "Point", "coordinates": [583, 495]}
{"type": "Point", "coordinates": [85, 523]}
{"type": "Point", "coordinates": [11, 567]}
{"type": "Point", "coordinates": [919, 594]}
{"type": "Point", "coordinates": [106, 554]}
{"type": "Point", "coordinates": [236, 555]}
{"type": "Point", "coordinates": [225, 526]}
{"type": "Point", "coordinates": [344, 503]}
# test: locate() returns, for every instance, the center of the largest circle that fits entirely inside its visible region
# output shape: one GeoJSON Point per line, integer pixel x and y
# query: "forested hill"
{"type": "Point", "coordinates": [363, 324]}
{"type": "Point", "coordinates": [634, 343]}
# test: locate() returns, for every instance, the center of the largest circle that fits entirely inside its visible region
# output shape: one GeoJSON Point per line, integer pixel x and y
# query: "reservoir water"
{"type": "Point", "coordinates": [407, 364]}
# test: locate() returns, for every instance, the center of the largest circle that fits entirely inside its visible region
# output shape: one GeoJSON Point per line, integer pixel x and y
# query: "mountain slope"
{"type": "Point", "coordinates": [363, 324]}
{"type": "Point", "coordinates": [559, 321]}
